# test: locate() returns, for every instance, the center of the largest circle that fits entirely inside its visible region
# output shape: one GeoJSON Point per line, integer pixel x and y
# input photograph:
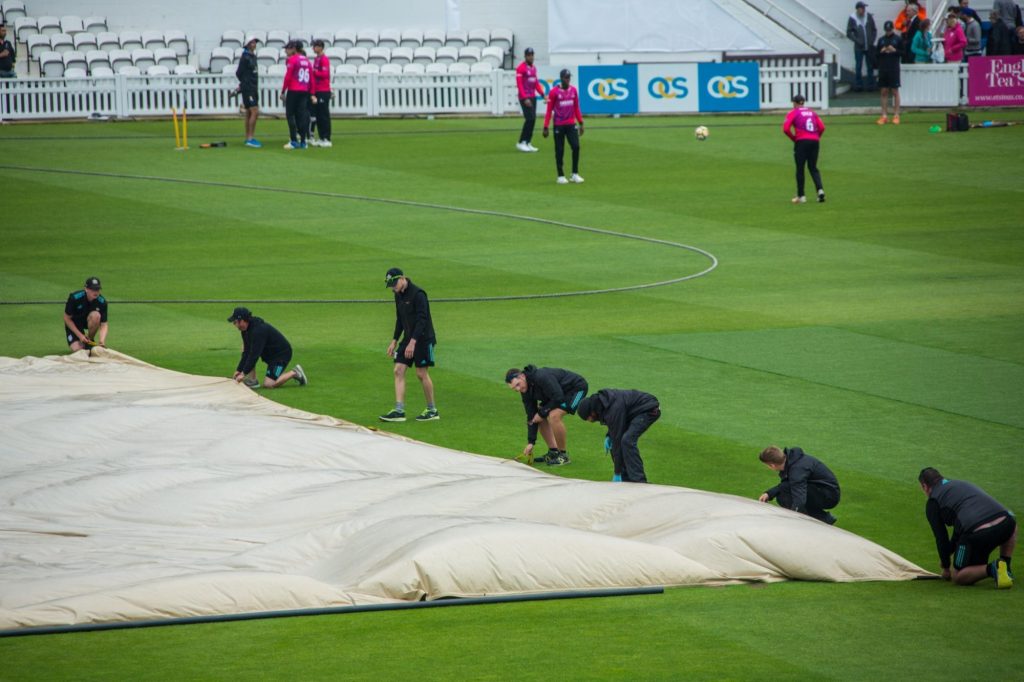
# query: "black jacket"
{"type": "Point", "coordinates": [546, 389]}
{"type": "Point", "coordinates": [412, 315]}
{"type": "Point", "coordinates": [616, 408]}
{"type": "Point", "coordinates": [1000, 40]}
{"type": "Point", "coordinates": [261, 340]}
{"type": "Point", "coordinates": [802, 469]}
{"type": "Point", "coordinates": [247, 73]}
{"type": "Point", "coordinates": [7, 63]}
{"type": "Point", "coordinates": [959, 504]}
{"type": "Point", "coordinates": [863, 38]}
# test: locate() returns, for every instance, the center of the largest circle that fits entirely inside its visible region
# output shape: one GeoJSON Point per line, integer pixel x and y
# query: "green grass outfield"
{"type": "Point", "coordinates": [881, 331]}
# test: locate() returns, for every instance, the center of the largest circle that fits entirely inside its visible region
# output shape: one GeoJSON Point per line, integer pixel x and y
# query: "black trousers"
{"type": "Point", "coordinates": [805, 152]}
{"type": "Point", "coordinates": [320, 115]}
{"type": "Point", "coordinates": [563, 133]}
{"type": "Point", "coordinates": [296, 110]}
{"type": "Point", "coordinates": [529, 119]}
{"type": "Point", "coordinates": [820, 498]}
{"type": "Point", "coordinates": [628, 464]}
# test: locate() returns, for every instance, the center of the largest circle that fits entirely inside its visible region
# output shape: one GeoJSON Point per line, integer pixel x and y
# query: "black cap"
{"type": "Point", "coordinates": [93, 283]}
{"type": "Point", "coordinates": [798, 99]}
{"type": "Point", "coordinates": [586, 407]}
{"type": "Point", "coordinates": [512, 374]}
{"type": "Point", "coordinates": [391, 277]}
{"type": "Point", "coordinates": [240, 313]}
{"type": "Point", "coordinates": [528, 50]}
{"type": "Point", "coordinates": [860, 4]}
{"type": "Point", "coordinates": [565, 72]}
{"type": "Point", "coordinates": [887, 26]}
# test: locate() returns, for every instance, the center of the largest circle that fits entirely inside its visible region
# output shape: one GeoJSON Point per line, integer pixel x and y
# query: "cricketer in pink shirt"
{"type": "Point", "coordinates": [299, 76]}
{"type": "Point", "coordinates": [529, 87]}
{"type": "Point", "coordinates": [298, 79]}
{"type": "Point", "coordinates": [321, 73]}
{"type": "Point", "coordinates": [805, 129]}
{"type": "Point", "coordinates": [564, 105]}
{"type": "Point", "coordinates": [806, 123]}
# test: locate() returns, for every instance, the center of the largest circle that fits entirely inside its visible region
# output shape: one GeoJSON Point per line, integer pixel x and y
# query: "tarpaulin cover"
{"type": "Point", "coordinates": [130, 492]}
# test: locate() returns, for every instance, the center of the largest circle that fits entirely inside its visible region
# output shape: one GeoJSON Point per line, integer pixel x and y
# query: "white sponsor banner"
{"type": "Point", "coordinates": [668, 88]}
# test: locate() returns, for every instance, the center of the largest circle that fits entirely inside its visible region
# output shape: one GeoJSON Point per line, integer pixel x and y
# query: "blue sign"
{"type": "Point", "coordinates": [608, 89]}
{"type": "Point", "coordinates": [729, 86]}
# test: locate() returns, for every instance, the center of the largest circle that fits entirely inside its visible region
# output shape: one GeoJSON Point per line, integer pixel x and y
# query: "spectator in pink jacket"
{"type": "Point", "coordinates": [954, 40]}
{"type": "Point", "coordinates": [529, 87]}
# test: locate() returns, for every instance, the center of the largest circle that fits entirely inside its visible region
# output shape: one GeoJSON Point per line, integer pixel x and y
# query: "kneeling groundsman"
{"type": "Point", "coordinates": [627, 414]}
{"type": "Point", "coordinates": [806, 485]}
{"type": "Point", "coordinates": [260, 340]}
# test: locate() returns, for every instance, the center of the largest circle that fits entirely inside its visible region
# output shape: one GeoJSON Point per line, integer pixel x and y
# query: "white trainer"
{"type": "Point", "coordinates": [521, 146]}
{"type": "Point", "coordinates": [799, 200]}
{"type": "Point", "coordinates": [576, 178]}
{"type": "Point", "coordinates": [561, 180]}
{"type": "Point", "coordinates": [326, 143]}
{"type": "Point", "coordinates": [531, 148]}
{"type": "Point", "coordinates": [315, 143]}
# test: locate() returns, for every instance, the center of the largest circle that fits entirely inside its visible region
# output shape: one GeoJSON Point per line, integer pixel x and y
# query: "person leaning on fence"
{"type": "Point", "coordinates": [321, 99]}
{"type": "Point", "coordinates": [889, 49]}
{"type": "Point", "coordinates": [8, 55]}
{"type": "Point", "coordinates": [860, 28]}
{"type": "Point", "coordinates": [922, 47]}
{"type": "Point", "coordinates": [248, 76]}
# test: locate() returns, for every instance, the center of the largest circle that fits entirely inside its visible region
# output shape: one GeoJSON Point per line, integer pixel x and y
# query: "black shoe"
{"type": "Point", "coordinates": [829, 519]}
{"type": "Point", "coordinates": [428, 416]}
{"type": "Point", "coordinates": [821, 196]}
{"type": "Point", "coordinates": [556, 459]}
{"type": "Point", "coordinates": [392, 416]}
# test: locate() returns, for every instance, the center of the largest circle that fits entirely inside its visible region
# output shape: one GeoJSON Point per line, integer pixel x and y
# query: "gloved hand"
{"type": "Point", "coordinates": [608, 445]}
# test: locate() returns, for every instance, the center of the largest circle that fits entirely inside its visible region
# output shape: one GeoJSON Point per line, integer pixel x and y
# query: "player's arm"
{"type": "Point", "coordinates": [257, 340]}
{"type": "Point", "coordinates": [552, 103]}
{"type": "Point", "coordinates": [530, 406]}
{"type": "Point", "coordinates": [787, 126]}
{"type": "Point", "coordinates": [520, 85]}
{"type": "Point", "coordinates": [942, 544]}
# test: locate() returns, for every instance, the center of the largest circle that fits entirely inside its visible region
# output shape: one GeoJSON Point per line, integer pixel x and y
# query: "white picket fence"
{"type": "Point", "coordinates": [492, 93]}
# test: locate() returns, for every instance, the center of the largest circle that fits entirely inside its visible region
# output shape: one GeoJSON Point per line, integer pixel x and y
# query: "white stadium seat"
{"type": "Point", "coordinates": [228, 69]}
{"type": "Point", "coordinates": [236, 54]}
{"type": "Point", "coordinates": [101, 72]}
{"type": "Point", "coordinates": [221, 57]}
{"type": "Point", "coordinates": [75, 60]}
{"type": "Point", "coordinates": [276, 39]}
{"type": "Point", "coordinates": [120, 59]}
{"type": "Point", "coordinates": [501, 37]}
{"type": "Point", "coordinates": [266, 56]}
{"type": "Point", "coordinates": [157, 70]}
{"type": "Point", "coordinates": [282, 55]}
{"type": "Point", "coordinates": [14, 10]}
{"type": "Point", "coordinates": [71, 24]}
{"type": "Point", "coordinates": [51, 64]}
{"type": "Point", "coordinates": [369, 68]}
{"type": "Point", "coordinates": [479, 37]}
{"type": "Point", "coordinates": [95, 24]}
{"type": "Point", "coordinates": [25, 28]}
{"type": "Point", "coordinates": [151, 40]}
{"type": "Point", "coordinates": [131, 40]}
{"type": "Point", "coordinates": [97, 59]}
{"type": "Point", "coordinates": [401, 55]}
{"type": "Point", "coordinates": [277, 69]}
{"type": "Point", "coordinates": [335, 54]}
{"type": "Point", "coordinates": [345, 70]}
{"type": "Point", "coordinates": [379, 55]}
{"type": "Point", "coordinates": [326, 36]}
{"type": "Point", "coordinates": [177, 41]}
{"type": "Point", "coordinates": [37, 44]}
{"type": "Point", "coordinates": [412, 37]}
{"type": "Point", "coordinates": [261, 70]}
{"type": "Point", "coordinates": [447, 55]}
{"type": "Point", "coordinates": [49, 26]}
{"type": "Point", "coordinates": [390, 70]}
{"type": "Point", "coordinates": [357, 56]}
{"type": "Point", "coordinates": [456, 38]}
{"type": "Point", "coordinates": [107, 41]}
{"type": "Point", "coordinates": [129, 70]}
{"type": "Point", "coordinates": [367, 37]}
{"type": "Point", "coordinates": [74, 72]}
{"type": "Point", "coordinates": [345, 39]}
{"type": "Point", "coordinates": [424, 55]}
{"type": "Point", "coordinates": [62, 42]}
{"type": "Point", "coordinates": [481, 67]}
{"type": "Point", "coordinates": [305, 36]}
{"type": "Point", "coordinates": [414, 69]}
{"type": "Point", "coordinates": [184, 70]}
{"type": "Point", "coordinates": [232, 38]}
{"type": "Point", "coordinates": [434, 38]}
{"type": "Point", "coordinates": [436, 69]}
{"type": "Point", "coordinates": [493, 55]}
{"type": "Point", "coordinates": [85, 42]}
{"type": "Point", "coordinates": [390, 37]}
{"type": "Point", "coordinates": [469, 54]}
{"type": "Point", "coordinates": [458, 68]}
{"type": "Point", "coordinates": [143, 59]}
{"type": "Point", "coordinates": [165, 56]}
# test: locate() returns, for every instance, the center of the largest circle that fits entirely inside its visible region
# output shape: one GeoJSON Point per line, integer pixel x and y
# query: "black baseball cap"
{"type": "Point", "coordinates": [565, 72]}
{"type": "Point", "coordinates": [887, 26]}
{"type": "Point", "coordinates": [586, 407]}
{"type": "Point", "coordinates": [93, 283]}
{"type": "Point", "coordinates": [860, 4]}
{"type": "Point", "coordinates": [240, 313]}
{"type": "Point", "coordinates": [528, 50]}
{"type": "Point", "coordinates": [391, 277]}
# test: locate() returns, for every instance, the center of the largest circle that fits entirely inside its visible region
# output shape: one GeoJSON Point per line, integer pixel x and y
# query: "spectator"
{"type": "Point", "coordinates": [953, 40]}
{"type": "Point", "coordinates": [1008, 10]}
{"type": "Point", "coordinates": [295, 92]}
{"type": "Point", "coordinates": [913, 19]}
{"type": "Point", "coordinates": [260, 340]}
{"type": "Point", "coordinates": [972, 31]}
{"type": "Point", "coordinates": [1000, 37]}
{"type": "Point", "coordinates": [890, 47]}
{"type": "Point", "coordinates": [321, 99]}
{"type": "Point", "coordinates": [8, 55]}
{"type": "Point", "coordinates": [860, 28]}
{"type": "Point", "coordinates": [548, 394]}
{"type": "Point", "coordinates": [529, 87]}
{"type": "Point", "coordinates": [806, 485]}
{"type": "Point", "coordinates": [248, 76]}
{"type": "Point", "coordinates": [1017, 43]}
{"type": "Point", "coordinates": [966, 11]}
{"type": "Point", "coordinates": [908, 13]}
{"type": "Point", "coordinates": [85, 317]}
{"type": "Point", "coordinates": [922, 47]}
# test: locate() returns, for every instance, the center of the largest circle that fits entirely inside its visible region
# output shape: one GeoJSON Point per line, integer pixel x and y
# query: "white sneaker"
{"type": "Point", "coordinates": [522, 146]}
{"type": "Point", "coordinates": [531, 148]}
{"type": "Point", "coordinates": [561, 180]}
{"type": "Point", "coordinates": [316, 143]}
{"type": "Point", "coordinates": [799, 200]}
{"type": "Point", "coordinates": [576, 178]}
{"type": "Point", "coordinates": [326, 143]}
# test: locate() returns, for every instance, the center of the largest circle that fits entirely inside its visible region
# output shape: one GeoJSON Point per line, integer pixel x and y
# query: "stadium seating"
{"type": "Point", "coordinates": [335, 54]}
{"type": "Point", "coordinates": [74, 73]}
{"type": "Point", "coordinates": [71, 24]}
{"type": "Point", "coordinates": [131, 40]}
{"type": "Point", "coordinates": [157, 70]}
{"type": "Point", "coordinates": [305, 36]}
{"type": "Point", "coordinates": [390, 38]}
{"type": "Point", "coordinates": [326, 36]}
{"type": "Point", "coordinates": [267, 56]}
{"type": "Point", "coordinates": [177, 41]}
{"type": "Point", "coordinates": [25, 28]}
{"type": "Point", "coordinates": [97, 59]}
{"type": "Point", "coordinates": [458, 68]}
{"type": "Point", "coordinates": [424, 55]}
{"type": "Point", "coordinates": [456, 38]}
{"type": "Point", "coordinates": [165, 56]}
{"type": "Point", "coordinates": [469, 54]}
{"type": "Point", "coordinates": [51, 64]}
{"type": "Point", "coordinates": [433, 38]}
{"type": "Point", "coordinates": [345, 70]}
{"type": "Point", "coordinates": [48, 25]}
{"type": "Point", "coordinates": [151, 40]}
{"type": "Point", "coordinates": [492, 55]}
{"type": "Point", "coordinates": [412, 37]}
{"type": "Point", "coordinates": [37, 44]}
{"type": "Point", "coordinates": [232, 39]}
{"type": "Point", "coordinates": [401, 55]}
{"type": "Point", "coordinates": [367, 37]}
{"type": "Point", "coordinates": [390, 70]}
{"type": "Point", "coordinates": [75, 60]}
{"type": "Point", "coordinates": [414, 69]}
{"type": "Point", "coordinates": [481, 67]}
{"type": "Point", "coordinates": [62, 42]}
{"type": "Point", "coordinates": [447, 55]}
{"type": "Point", "coordinates": [261, 36]}
{"type": "Point", "coordinates": [107, 41]}
{"type": "Point", "coordinates": [95, 24]}
{"type": "Point", "coordinates": [221, 57]}
{"type": "Point", "coordinates": [276, 39]}
{"type": "Point", "coordinates": [143, 59]}
{"type": "Point", "coordinates": [435, 69]}
{"type": "Point", "coordinates": [102, 72]}
{"type": "Point", "coordinates": [479, 37]}
{"type": "Point", "coordinates": [357, 56]}
{"type": "Point", "coordinates": [85, 42]}
{"type": "Point", "coordinates": [369, 68]}
{"type": "Point", "coordinates": [185, 70]}
{"type": "Point", "coordinates": [344, 39]}
{"type": "Point", "coordinates": [502, 38]}
{"type": "Point", "coordinates": [13, 10]}
{"type": "Point", "coordinates": [129, 70]}
{"type": "Point", "coordinates": [379, 55]}
{"type": "Point", "coordinates": [277, 69]}
{"type": "Point", "coordinates": [228, 69]}
{"type": "Point", "coordinates": [120, 59]}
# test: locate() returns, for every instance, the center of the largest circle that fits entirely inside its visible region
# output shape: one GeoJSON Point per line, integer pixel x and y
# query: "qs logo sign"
{"type": "Point", "coordinates": [728, 87]}
{"type": "Point", "coordinates": [660, 87]}
{"type": "Point", "coordinates": [609, 89]}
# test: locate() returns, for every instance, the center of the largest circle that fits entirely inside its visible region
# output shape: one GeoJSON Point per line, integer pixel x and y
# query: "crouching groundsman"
{"type": "Point", "coordinates": [980, 525]}
{"type": "Point", "coordinates": [627, 414]}
{"type": "Point", "coordinates": [806, 486]}
{"type": "Point", "coordinates": [549, 393]}
{"type": "Point", "coordinates": [261, 340]}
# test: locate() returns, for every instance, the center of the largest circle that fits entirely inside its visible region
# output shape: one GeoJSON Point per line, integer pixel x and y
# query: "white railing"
{"type": "Point", "coordinates": [361, 95]}
{"type": "Point", "coordinates": [933, 85]}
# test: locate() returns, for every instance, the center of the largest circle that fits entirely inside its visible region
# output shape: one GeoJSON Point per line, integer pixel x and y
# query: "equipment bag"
{"type": "Point", "coordinates": [957, 123]}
